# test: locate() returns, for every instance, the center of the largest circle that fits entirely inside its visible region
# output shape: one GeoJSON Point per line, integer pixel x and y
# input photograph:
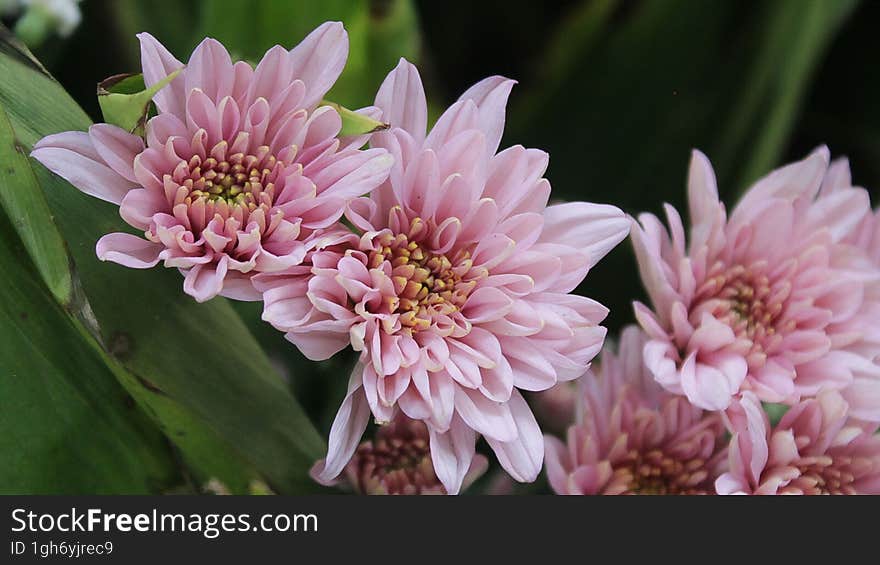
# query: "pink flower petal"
{"type": "Point", "coordinates": [318, 60]}
{"type": "Point", "coordinates": [402, 100]}
{"type": "Point", "coordinates": [460, 117]}
{"type": "Point", "coordinates": [204, 282]}
{"type": "Point", "coordinates": [702, 189]}
{"type": "Point", "coordinates": [320, 343]}
{"type": "Point", "coordinates": [140, 205]}
{"type": "Point", "coordinates": [452, 452]}
{"type": "Point", "coordinates": [707, 386]}
{"type": "Point", "coordinates": [558, 464]}
{"type": "Point", "coordinates": [354, 174]}
{"type": "Point", "coordinates": [72, 156]}
{"type": "Point", "coordinates": [592, 228]}
{"type": "Point", "coordinates": [157, 64]}
{"type": "Point", "coordinates": [490, 418]}
{"type": "Point", "coordinates": [531, 369]}
{"type": "Point", "coordinates": [348, 427]}
{"type": "Point", "coordinates": [210, 70]}
{"type": "Point", "coordinates": [490, 95]}
{"type": "Point", "coordinates": [487, 304]}
{"type": "Point", "coordinates": [863, 397]}
{"type": "Point", "coordinates": [128, 250]}
{"type": "Point", "coordinates": [523, 456]}
{"type": "Point", "coordinates": [117, 148]}
{"type": "Point", "coordinates": [801, 179]}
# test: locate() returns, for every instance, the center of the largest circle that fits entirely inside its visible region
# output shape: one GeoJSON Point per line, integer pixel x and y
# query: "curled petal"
{"type": "Point", "coordinates": [128, 250]}
{"type": "Point", "coordinates": [72, 156]}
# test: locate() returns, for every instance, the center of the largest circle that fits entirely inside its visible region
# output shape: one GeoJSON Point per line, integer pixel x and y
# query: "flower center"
{"type": "Point", "coordinates": [656, 472]}
{"type": "Point", "coordinates": [744, 298]}
{"type": "Point", "coordinates": [245, 180]}
{"type": "Point", "coordinates": [824, 474]}
{"type": "Point", "coordinates": [426, 285]}
{"type": "Point", "coordinates": [399, 458]}
{"type": "Point", "coordinates": [749, 301]}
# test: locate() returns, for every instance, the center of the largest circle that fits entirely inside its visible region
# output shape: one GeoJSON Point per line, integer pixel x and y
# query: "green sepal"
{"type": "Point", "coordinates": [125, 100]}
{"type": "Point", "coordinates": [354, 123]}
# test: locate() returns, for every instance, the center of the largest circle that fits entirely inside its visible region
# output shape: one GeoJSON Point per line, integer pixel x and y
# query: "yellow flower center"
{"type": "Point", "coordinates": [240, 179]}
{"type": "Point", "coordinates": [426, 285]}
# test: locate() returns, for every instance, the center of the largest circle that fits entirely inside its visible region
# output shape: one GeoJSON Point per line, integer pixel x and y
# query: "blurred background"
{"type": "Point", "coordinates": [617, 91]}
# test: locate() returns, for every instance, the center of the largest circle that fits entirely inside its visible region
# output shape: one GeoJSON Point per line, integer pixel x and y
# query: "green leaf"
{"type": "Point", "coordinates": [795, 39]}
{"type": "Point", "coordinates": [66, 426]}
{"type": "Point", "coordinates": [354, 123]}
{"type": "Point", "coordinates": [202, 450]}
{"type": "Point", "coordinates": [26, 206]}
{"type": "Point", "coordinates": [27, 84]}
{"type": "Point", "coordinates": [184, 362]}
{"type": "Point", "coordinates": [125, 100]}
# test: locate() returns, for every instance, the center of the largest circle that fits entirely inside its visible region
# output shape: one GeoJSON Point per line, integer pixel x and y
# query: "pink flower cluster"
{"type": "Point", "coordinates": [778, 298]}
{"type": "Point", "coordinates": [455, 286]}
{"type": "Point", "coordinates": [632, 437]}
{"type": "Point", "coordinates": [240, 169]}
{"type": "Point", "coordinates": [777, 303]}
{"type": "Point", "coordinates": [436, 256]}
{"type": "Point", "coordinates": [450, 273]}
{"type": "Point", "coordinates": [817, 448]}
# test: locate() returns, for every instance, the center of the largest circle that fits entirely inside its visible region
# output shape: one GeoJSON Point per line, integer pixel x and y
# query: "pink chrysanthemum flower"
{"type": "Point", "coordinates": [632, 437]}
{"type": "Point", "coordinates": [863, 395]}
{"type": "Point", "coordinates": [456, 293]}
{"type": "Point", "coordinates": [815, 449]}
{"type": "Point", "coordinates": [238, 170]}
{"type": "Point", "coordinates": [766, 300]}
{"type": "Point", "coordinates": [398, 461]}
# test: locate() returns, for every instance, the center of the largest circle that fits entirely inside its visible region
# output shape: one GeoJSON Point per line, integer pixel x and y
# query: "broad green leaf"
{"type": "Point", "coordinates": [26, 207]}
{"type": "Point", "coordinates": [125, 100]}
{"type": "Point", "coordinates": [354, 123]}
{"type": "Point", "coordinates": [205, 453]}
{"type": "Point", "coordinates": [26, 84]}
{"type": "Point", "coordinates": [199, 358]}
{"type": "Point", "coordinates": [66, 426]}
